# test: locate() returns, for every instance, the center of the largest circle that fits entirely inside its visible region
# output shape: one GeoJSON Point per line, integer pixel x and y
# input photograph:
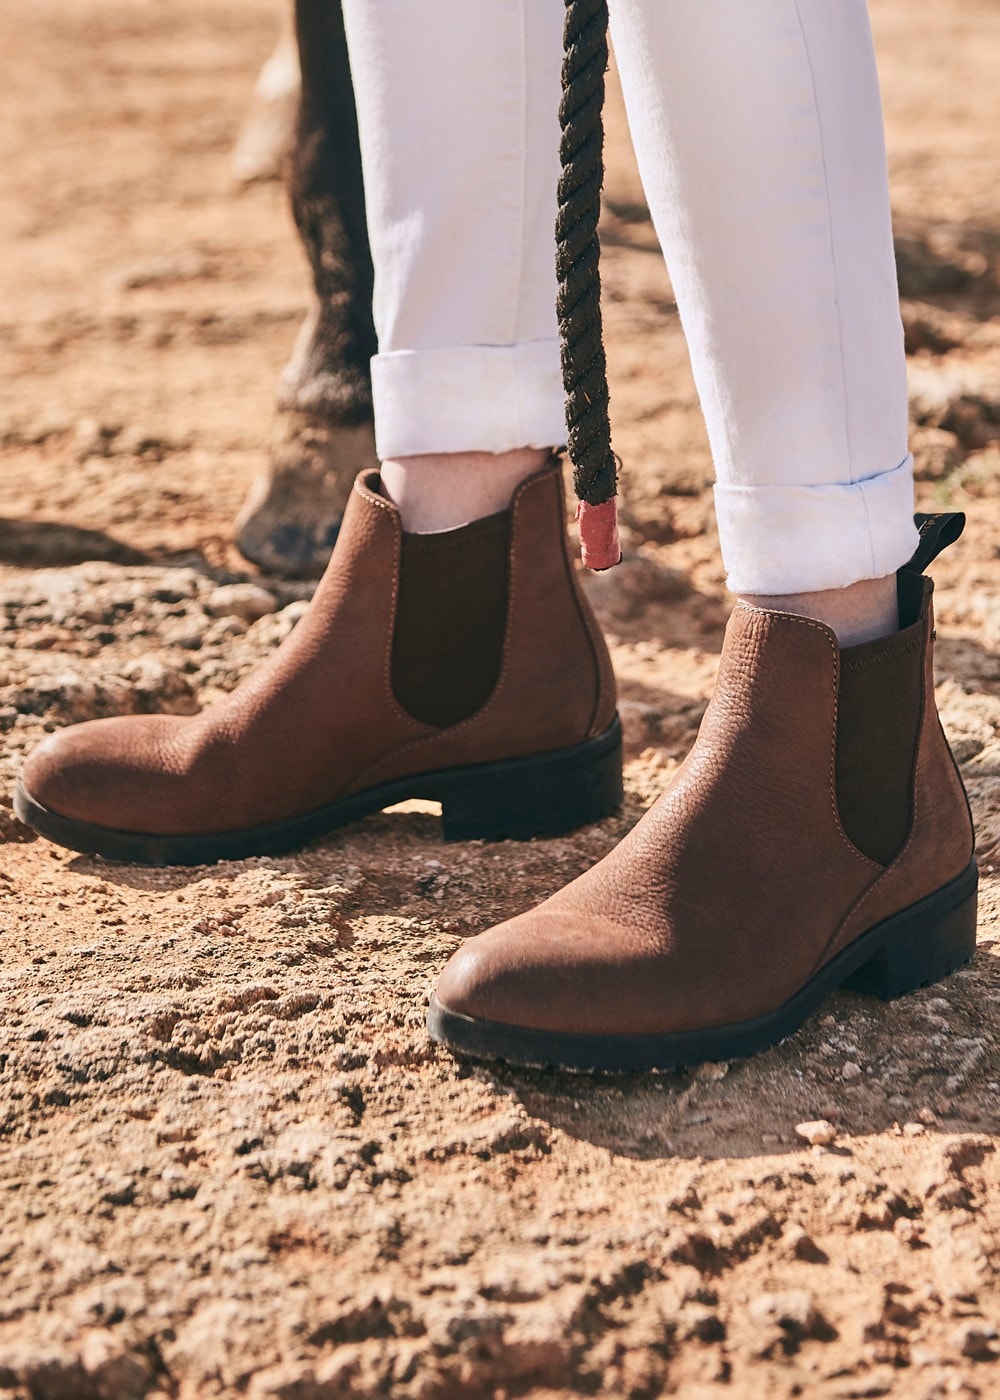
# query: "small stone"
{"type": "Point", "coordinates": [817, 1133]}
{"type": "Point", "coordinates": [120, 1191]}
{"type": "Point", "coordinates": [936, 452]}
{"type": "Point", "coordinates": [113, 1366]}
{"type": "Point", "coordinates": [711, 1072]}
{"type": "Point", "coordinates": [908, 1232]}
{"type": "Point", "coordinates": [639, 721]}
{"type": "Point", "coordinates": [164, 271]}
{"type": "Point", "coordinates": [954, 1196]}
{"type": "Point", "coordinates": [801, 1244]}
{"type": "Point", "coordinates": [134, 441]}
{"type": "Point", "coordinates": [927, 1117]}
{"type": "Point", "coordinates": [960, 401]}
{"type": "Point", "coordinates": [926, 327]}
{"type": "Point", "coordinates": [93, 439]}
{"type": "Point", "coordinates": [923, 1356]}
{"type": "Point", "coordinates": [914, 1129]}
{"type": "Point", "coordinates": [975, 1340]}
{"type": "Point", "coordinates": [793, 1311]}
{"type": "Point", "coordinates": [624, 592]}
{"type": "Point", "coordinates": [851, 1070]}
{"type": "Point", "coordinates": [246, 600]}
{"type": "Point", "coordinates": [707, 1326]}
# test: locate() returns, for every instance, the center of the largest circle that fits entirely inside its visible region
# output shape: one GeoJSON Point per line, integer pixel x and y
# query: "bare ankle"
{"type": "Point", "coordinates": [861, 613]}
{"type": "Point", "coordinates": [439, 491]}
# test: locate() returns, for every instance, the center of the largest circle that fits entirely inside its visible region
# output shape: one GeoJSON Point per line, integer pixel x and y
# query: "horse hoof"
{"type": "Point", "coordinates": [289, 521]}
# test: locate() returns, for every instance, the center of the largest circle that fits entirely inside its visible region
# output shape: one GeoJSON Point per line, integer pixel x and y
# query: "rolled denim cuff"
{"type": "Point", "coordinates": [473, 398]}
{"type": "Point", "coordinates": [803, 539]}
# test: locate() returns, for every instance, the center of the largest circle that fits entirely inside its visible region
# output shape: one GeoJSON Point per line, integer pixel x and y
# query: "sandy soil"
{"type": "Point", "coordinates": [230, 1161]}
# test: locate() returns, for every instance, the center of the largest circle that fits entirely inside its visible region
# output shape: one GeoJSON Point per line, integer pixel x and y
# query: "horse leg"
{"type": "Point", "coordinates": [323, 433]}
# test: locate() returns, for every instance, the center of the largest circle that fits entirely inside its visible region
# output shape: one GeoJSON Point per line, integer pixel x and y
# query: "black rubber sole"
{"type": "Point", "coordinates": [912, 949]}
{"type": "Point", "coordinates": [517, 799]}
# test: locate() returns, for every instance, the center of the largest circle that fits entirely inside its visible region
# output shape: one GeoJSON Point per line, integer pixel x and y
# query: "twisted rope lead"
{"type": "Point", "coordinates": [578, 303]}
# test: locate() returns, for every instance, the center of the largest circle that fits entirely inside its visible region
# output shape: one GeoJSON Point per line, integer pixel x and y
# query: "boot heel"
{"type": "Point", "coordinates": [548, 795]}
{"type": "Point", "coordinates": [922, 944]}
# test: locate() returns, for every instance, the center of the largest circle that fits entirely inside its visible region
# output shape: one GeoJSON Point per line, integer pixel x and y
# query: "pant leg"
{"type": "Point", "coordinates": [758, 132]}
{"type": "Point", "coordinates": [458, 106]}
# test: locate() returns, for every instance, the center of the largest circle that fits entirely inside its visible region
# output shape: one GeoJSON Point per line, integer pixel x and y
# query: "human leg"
{"type": "Point", "coordinates": [461, 209]}
{"type": "Point", "coordinates": [758, 134]}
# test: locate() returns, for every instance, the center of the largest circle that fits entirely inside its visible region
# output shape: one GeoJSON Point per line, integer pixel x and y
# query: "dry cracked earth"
{"type": "Point", "coordinates": [231, 1163]}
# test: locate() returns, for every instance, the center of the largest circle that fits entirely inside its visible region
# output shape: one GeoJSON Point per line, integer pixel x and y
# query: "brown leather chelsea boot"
{"type": "Point", "coordinates": [817, 834]}
{"type": "Point", "coordinates": [464, 667]}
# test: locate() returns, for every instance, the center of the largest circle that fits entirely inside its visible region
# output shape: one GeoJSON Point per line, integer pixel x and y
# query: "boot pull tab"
{"type": "Point", "coordinates": [937, 532]}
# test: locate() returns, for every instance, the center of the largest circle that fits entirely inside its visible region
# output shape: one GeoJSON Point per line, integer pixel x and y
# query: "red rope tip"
{"type": "Point", "coordinates": [599, 543]}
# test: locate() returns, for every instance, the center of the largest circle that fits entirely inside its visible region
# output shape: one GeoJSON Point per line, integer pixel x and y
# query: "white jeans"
{"type": "Point", "coordinates": [758, 132]}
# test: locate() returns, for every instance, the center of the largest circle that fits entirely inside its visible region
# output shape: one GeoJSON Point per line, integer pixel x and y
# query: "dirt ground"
{"type": "Point", "coordinates": [231, 1163]}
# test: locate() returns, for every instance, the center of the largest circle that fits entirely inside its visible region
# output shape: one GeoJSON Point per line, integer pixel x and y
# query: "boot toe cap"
{"type": "Point", "coordinates": [88, 772]}
{"type": "Point", "coordinates": [548, 971]}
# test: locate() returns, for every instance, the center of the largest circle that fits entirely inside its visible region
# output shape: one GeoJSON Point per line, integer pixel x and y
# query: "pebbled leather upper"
{"type": "Point", "coordinates": [740, 882]}
{"type": "Point", "coordinates": [319, 720]}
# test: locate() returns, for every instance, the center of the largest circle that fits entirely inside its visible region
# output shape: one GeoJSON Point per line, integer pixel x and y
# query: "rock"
{"type": "Point", "coordinates": [802, 1245]}
{"type": "Point", "coordinates": [972, 418]}
{"type": "Point", "coordinates": [851, 1070]}
{"type": "Point", "coordinates": [270, 631]}
{"type": "Point", "coordinates": [927, 327]}
{"type": "Point", "coordinates": [926, 270]}
{"type": "Point", "coordinates": [914, 1129]}
{"type": "Point", "coordinates": [936, 452]}
{"type": "Point", "coordinates": [140, 442]}
{"type": "Point", "coordinates": [820, 1132]}
{"type": "Point", "coordinates": [165, 271]}
{"type": "Point", "coordinates": [923, 1356]}
{"type": "Point", "coordinates": [283, 1382]}
{"type": "Point", "coordinates": [116, 1368]}
{"type": "Point", "coordinates": [622, 593]}
{"type": "Point", "coordinates": [640, 723]}
{"type": "Point", "coordinates": [975, 1340]}
{"type": "Point", "coordinates": [970, 730]}
{"type": "Point", "coordinates": [93, 439]}
{"type": "Point", "coordinates": [953, 1196]}
{"type": "Point", "coordinates": [120, 1191]}
{"type": "Point", "coordinates": [977, 475]}
{"type": "Point", "coordinates": [956, 398]}
{"type": "Point", "coordinates": [793, 1311]}
{"type": "Point", "coordinates": [246, 600]}
{"type": "Point", "coordinates": [908, 1232]}
{"type": "Point", "coordinates": [879, 1212]}
{"type": "Point", "coordinates": [967, 1150]}
{"type": "Point", "coordinates": [706, 1326]}
{"type": "Point", "coordinates": [159, 687]}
